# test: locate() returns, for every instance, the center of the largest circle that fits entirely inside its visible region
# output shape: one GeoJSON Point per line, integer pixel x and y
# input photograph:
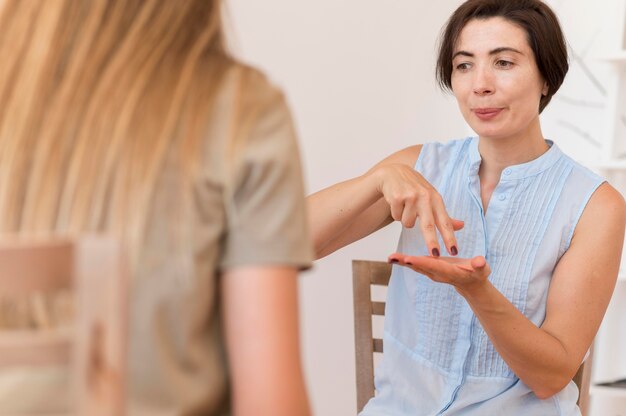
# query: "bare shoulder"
{"type": "Point", "coordinates": [407, 156]}
{"type": "Point", "coordinates": [607, 202]}
{"type": "Point", "coordinates": [605, 211]}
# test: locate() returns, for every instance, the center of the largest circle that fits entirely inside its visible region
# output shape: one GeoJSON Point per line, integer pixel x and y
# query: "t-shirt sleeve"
{"type": "Point", "coordinates": [265, 208]}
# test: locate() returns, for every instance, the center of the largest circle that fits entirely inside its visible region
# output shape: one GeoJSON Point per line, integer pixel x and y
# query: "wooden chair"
{"type": "Point", "coordinates": [93, 346]}
{"type": "Point", "coordinates": [371, 273]}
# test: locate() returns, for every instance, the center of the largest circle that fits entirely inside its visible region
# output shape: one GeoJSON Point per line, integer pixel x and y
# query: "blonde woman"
{"type": "Point", "coordinates": [129, 118]}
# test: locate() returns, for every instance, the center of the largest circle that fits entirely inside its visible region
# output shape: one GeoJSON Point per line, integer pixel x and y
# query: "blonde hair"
{"type": "Point", "coordinates": [94, 94]}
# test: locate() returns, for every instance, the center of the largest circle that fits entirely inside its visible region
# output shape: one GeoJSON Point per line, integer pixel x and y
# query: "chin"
{"type": "Point", "coordinates": [488, 132]}
{"type": "Point", "coordinates": [493, 134]}
{"type": "Point", "coordinates": [485, 128]}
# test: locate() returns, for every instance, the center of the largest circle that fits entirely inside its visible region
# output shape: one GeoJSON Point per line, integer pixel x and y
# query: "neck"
{"type": "Point", "coordinates": [497, 153]}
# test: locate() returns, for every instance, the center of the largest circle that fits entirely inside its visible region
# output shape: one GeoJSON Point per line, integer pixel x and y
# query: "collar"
{"type": "Point", "coordinates": [521, 171]}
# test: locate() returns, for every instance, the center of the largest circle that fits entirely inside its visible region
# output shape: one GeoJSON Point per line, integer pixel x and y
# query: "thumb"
{"type": "Point", "coordinates": [480, 264]}
{"type": "Point", "coordinates": [457, 224]}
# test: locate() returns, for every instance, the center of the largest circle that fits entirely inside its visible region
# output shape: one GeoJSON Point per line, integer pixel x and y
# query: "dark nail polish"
{"type": "Point", "coordinates": [394, 260]}
{"type": "Point", "coordinates": [454, 251]}
{"type": "Point", "coordinates": [435, 252]}
{"type": "Point", "coordinates": [409, 263]}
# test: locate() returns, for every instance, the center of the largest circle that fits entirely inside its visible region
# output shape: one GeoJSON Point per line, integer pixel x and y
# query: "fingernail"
{"type": "Point", "coordinates": [393, 260]}
{"type": "Point", "coordinates": [409, 263]}
{"type": "Point", "coordinates": [435, 252]}
{"type": "Point", "coordinates": [454, 251]}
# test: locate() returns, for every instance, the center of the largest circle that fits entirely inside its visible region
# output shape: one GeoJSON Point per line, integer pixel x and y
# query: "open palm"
{"type": "Point", "coordinates": [459, 272]}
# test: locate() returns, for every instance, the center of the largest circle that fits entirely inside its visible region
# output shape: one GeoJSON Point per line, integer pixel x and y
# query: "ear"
{"type": "Point", "coordinates": [545, 89]}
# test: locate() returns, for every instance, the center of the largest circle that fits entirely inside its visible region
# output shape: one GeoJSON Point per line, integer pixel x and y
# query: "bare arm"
{"type": "Point", "coordinates": [391, 190]}
{"type": "Point", "coordinates": [547, 358]}
{"type": "Point", "coordinates": [260, 310]}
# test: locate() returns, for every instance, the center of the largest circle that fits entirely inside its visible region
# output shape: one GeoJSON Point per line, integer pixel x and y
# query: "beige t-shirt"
{"type": "Point", "coordinates": [245, 207]}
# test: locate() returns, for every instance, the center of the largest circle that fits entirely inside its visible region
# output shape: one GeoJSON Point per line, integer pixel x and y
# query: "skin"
{"type": "Point", "coordinates": [260, 304]}
{"type": "Point", "coordinates": [494, 68]}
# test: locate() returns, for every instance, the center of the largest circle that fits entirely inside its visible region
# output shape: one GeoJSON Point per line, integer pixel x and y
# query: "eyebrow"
{"type": "Point", "coordinates": [492, 52]}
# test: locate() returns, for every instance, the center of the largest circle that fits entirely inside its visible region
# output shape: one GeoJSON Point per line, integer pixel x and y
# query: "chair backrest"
{"type": "Point", "coordinates": [93, 344]}
{"type": "Point", "coordinates": [364, 275]}
{"type": "Point", "coordinates": [367, 273]}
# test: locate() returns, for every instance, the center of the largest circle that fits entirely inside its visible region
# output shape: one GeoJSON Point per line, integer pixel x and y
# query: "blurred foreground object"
{"type": "Point", "coordinates": [93, 343]}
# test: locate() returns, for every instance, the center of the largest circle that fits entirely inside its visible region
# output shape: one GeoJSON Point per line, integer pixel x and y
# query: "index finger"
{"type": "Point", "coordinates": [446, 225]}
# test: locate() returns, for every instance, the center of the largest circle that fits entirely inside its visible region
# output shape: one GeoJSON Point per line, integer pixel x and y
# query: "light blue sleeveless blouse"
{"type": "Point", "coordinates": [437, 358]}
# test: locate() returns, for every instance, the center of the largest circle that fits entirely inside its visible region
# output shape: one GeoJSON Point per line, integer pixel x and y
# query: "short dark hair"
{"type": "Point", "coordinates": [543, 31]}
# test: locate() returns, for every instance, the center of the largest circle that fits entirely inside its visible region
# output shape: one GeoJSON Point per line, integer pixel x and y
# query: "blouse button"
{"type": "Point", "coordinates": [502, 197]}
{"type": "Point", "coordinates": [507, 171]}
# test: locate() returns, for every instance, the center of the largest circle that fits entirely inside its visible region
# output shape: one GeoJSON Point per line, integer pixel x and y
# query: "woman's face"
{"type": "Point", "coordinates": [495, 79]}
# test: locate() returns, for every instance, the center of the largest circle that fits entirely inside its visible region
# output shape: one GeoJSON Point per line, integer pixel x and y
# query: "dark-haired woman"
{"type": "Point", "coordinates": [501, 325]}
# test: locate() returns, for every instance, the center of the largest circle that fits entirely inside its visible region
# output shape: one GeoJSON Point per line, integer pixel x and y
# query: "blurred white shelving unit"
{"type": "Point", "coordinates": [613, 392]}
{"type": "Point", "coordinates": [610, 344]}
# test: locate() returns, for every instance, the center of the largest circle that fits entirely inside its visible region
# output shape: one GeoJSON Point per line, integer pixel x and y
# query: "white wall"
{"type": "Point", "coordinates": [359, 75]}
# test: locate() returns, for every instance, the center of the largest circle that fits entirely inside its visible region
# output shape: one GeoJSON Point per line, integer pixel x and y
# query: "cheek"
{"type": "Point", "coordinates": [459, 92]}
{"type": "Point", "coordinates": [455, 85]}
{"type": "Point", "coordinates": [528, 99]}
{"type": "Point", "coordinates": [527, 91]}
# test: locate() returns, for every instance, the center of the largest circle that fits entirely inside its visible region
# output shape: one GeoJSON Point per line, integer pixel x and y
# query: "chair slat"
{"type": "Point", "coordinates": [378, 345]}
{"type": "Point", "coordinates": [378, 308]}
{"type": "Point", "coordinates": [35, 347]}
{"type": "Point", "coordinates": [379, 273]}
{"type": "Point", "coordinates": [29, 267]}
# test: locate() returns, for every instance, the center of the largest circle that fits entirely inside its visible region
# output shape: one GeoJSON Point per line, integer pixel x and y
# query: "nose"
{"type": "Point", "coordinates": [483, 82]}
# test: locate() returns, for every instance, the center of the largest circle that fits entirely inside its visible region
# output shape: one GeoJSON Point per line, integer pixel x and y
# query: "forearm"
{"type": "Point", "coordinates": [539, 359]}
{"type": "Point", "coordinates": [332, 210]}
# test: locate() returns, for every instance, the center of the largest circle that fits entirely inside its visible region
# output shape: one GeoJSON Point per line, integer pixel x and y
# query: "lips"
{"type": "Point", "coordinates": [487, 113]}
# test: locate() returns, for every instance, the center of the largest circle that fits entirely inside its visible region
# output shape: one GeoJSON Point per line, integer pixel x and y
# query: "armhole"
{"type": "Point", "coordinates": [579, 214]}
{"type": "Point", "coordinates": [418, 163]}
{"type": "Point", "coordinates": [452, 162]}
{"type": "Point", "coordinates": [448, 166]}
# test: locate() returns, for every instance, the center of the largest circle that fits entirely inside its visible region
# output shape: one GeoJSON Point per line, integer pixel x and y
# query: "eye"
{"type": "Point", "coordinates": [463, 66]}
{"type": "Point", "coordinates": [501, 63]}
